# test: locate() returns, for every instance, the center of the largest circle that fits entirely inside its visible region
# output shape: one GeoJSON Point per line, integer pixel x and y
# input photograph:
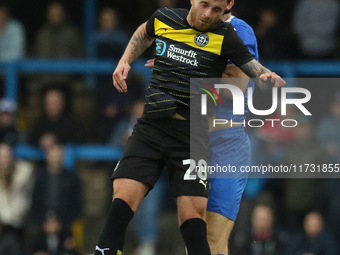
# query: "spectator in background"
{"type": "Point", "coordinates": [110, 40]}
{"type": "Point", "coordinates": [123, 130]}
{"type": "Point", "coordinates": [16, 182]}
{"type": "Point", "coordinates": [56, 191]}
{"type": "Point", "coordinates": [316, 24]}
{"type": "Point", "coordinates": [314, 240]}
{"type": "Point", "coordinates": [54, 126]}
{"type": "Point", "coordinates": [111, 105]}
{"type": "Point", "coordinates": [58, 39]}
{"type": "Point", "coordinates": [328, 132]}
{"type": "Point", "coordinates": [51, 240]}
{"type": "Point", "coordinates": [8, 131]}
{"type": "Point", "coordinates": [264, 237]}
{"type": "Point", "coordinates": [329, 205]}
{"type": "Point", "coordinates": [274, 41]}
{"type": "Point", "coordinates": [300, 194]}
{"type": "Point", "coordinates": [12, 37]}
{"type": "Point", "coordinates": [9, 244]}
{"type": "Point", "coordinates": [16, 179]}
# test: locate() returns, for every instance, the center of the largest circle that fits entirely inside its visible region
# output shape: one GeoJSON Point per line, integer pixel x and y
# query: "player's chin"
{"type": "Point", "coordinates": [204, 27]}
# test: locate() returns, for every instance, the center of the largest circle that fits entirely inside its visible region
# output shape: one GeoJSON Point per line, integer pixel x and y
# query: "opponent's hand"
{"type": "Point", "coordinates": [150, 63]}
{"type": "Point", "coordinates": [120, 75]}
{"type": "Point", "coordinates": [273, 78]}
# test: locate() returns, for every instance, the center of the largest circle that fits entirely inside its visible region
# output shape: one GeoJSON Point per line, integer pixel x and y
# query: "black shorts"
{"type": "Point", "coordinates": [165, 142]}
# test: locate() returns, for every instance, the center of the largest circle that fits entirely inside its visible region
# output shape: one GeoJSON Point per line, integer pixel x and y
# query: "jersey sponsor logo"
{"type": "Point", "coordinates": [160, 47]}
{"type": "Point", "coordinates": [201, 40]}
{"type": "Point", "coordinates": [184, 56]}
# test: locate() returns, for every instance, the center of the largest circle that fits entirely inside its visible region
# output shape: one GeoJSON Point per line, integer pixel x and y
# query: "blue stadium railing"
{"type": "Point", "coordinates": [72, 153]}
{"type": "Point", "coordinates": [288, 69]}
{"type": "Point", "coordinates": [12, 71]}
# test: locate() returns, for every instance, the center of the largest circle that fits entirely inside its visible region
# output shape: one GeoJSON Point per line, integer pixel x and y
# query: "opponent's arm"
{"type": "Point", "coordinates": [139, 42]}
{"type": "Point", "coordinates": [262, 76]}
{"type": "Point", "coordinates": [236, 77]}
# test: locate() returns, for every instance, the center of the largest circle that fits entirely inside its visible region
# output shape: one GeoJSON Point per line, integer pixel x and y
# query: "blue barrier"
{"type": "Point", "coordinates": [288, 69]}
{"type": "Point", "coordinates": [293, 69]}
{"type": "Point", "coordinates": [75, 66]}
{"type": "Point", "coordinates": [72, 153]}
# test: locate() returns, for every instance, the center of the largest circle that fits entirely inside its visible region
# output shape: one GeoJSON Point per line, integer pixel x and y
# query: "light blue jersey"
{"type": "Point", "coordinates": [246, 33]}
{"type": "Point", "coordinates": [231, 146]}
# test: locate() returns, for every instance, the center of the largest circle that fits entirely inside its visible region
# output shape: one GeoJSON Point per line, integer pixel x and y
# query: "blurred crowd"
{"type": "Point", "coordinates": [41, 201]}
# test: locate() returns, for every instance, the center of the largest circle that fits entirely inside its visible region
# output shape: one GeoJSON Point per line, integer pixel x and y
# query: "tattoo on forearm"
{"type": "Point", "coordinates": [253, 69]}
{"type": "Point", "coordinates": [136, 43]}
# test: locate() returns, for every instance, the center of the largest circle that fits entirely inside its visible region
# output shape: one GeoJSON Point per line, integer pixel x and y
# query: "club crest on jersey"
{"type": "Point", "coordinates": [160, 47]}
{"type": "Point", "coordinates": [201, 40]}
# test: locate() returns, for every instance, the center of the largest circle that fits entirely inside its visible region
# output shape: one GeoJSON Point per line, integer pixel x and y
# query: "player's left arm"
{"type": "Point", "coordinates": [234, 74]}
{"type": "Point", "coordinates": [262, 76]}
{"type": "Point", "coordinates": [239, 54]}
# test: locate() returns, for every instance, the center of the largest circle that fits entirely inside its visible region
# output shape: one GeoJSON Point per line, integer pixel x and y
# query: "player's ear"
{"type": "Point", "coordinates": [230, 5]}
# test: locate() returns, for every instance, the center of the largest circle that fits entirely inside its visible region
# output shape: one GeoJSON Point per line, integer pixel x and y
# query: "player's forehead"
{"type": "Point", "coordinates": [215, 3]}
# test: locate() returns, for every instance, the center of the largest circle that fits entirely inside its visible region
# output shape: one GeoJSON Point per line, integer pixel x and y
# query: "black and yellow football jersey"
{"type": "Point", "coordinates": [183, 52]}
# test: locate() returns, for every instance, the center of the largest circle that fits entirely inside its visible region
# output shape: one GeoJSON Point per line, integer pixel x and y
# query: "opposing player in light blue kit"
{"type": "Point", "coordinates": [229, 145]}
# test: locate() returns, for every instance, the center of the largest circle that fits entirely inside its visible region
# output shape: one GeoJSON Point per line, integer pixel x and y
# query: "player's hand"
{"type": "Point", "coordinates": [273, 78]}
{"type": "Point", "coordinates": [120, 75]}
{"type": "Point", "coordinates": [150, 63]}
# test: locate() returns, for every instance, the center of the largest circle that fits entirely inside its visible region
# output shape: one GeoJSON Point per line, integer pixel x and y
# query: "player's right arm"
{"type": "Point", "coordinates": [139, 42]}
{"type": "Point", "coordinates": [236, 77]}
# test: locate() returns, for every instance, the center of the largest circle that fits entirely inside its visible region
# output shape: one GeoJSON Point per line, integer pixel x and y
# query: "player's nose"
{"type": "Point", "coordinates": [208, 13]}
